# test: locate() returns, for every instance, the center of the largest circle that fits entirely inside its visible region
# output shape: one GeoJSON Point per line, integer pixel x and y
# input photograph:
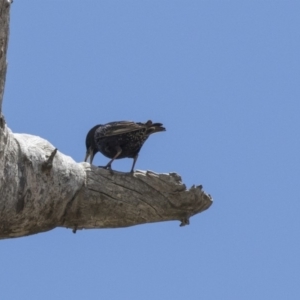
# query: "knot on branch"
{"type": "Point", "coordinates": [185, 221]}
{"type": "Point", "coordinates": [47, 165]}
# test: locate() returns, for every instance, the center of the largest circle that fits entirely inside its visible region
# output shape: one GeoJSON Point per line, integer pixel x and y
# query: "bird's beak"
{"type": "Point", "coordinates": [89, 153]}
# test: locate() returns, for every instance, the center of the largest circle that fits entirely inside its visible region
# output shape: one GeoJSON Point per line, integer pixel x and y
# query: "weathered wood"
{"type": "Point", "coordinates": [4, 35]}
{"type": "Point", "coordinates": [34, 199]}
{"type": "Point", "coordinates": [41, 188]}
{"type": "Point", "coordinates": [115, 199]}
{"type": "Point", "coordinates": [77, 195]}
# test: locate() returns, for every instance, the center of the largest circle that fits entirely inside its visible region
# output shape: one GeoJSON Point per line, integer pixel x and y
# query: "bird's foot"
{"type": "Point", "coordinates": [105, 167]}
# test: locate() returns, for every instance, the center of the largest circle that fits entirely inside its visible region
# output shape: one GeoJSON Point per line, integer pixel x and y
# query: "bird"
{"type": "Point", "coordinates": [119, 139]}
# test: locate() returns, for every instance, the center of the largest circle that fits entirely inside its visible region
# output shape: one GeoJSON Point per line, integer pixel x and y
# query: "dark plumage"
{"type": "Point", "coordinates": [118, 140]}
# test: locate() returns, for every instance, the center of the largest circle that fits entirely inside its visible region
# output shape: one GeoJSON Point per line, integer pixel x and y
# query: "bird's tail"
{"type": "Point", "coordinates": [154, 127]}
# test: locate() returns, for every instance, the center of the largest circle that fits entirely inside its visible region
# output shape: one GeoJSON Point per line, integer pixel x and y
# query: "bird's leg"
{"type": "Point", "coordinates": [119, 151]}
{"type": "Point", "coordinates": [134, 161]}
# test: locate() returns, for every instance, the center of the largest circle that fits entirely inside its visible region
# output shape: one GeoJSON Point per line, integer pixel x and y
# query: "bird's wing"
{"type": "Point", "coordinates": [115, 128]}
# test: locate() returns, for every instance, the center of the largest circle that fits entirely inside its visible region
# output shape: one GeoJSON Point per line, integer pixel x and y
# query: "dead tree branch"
{"type": "Point", "coordinates": [41, 188]}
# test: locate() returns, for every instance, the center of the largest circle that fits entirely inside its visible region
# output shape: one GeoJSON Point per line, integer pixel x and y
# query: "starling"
{"type": "Point", "coordinates": [121, 139]}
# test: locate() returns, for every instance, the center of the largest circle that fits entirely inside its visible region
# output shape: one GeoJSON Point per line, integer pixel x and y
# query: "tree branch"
{"type": "Point", "coordinates": [4, 34]}
{"type": "Point", "coordinates": [124, 199]}
{"type": "Point", "coordinates": [78, 195]}
{"type": "Point", "coordinates": [41, 188]}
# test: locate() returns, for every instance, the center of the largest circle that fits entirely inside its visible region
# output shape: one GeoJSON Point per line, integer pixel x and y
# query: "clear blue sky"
{"type": "Point", "coordinates": [224, 78]}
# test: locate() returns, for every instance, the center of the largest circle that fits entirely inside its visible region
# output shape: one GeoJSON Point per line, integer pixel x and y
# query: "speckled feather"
{"type": "Point", "coordinates": [119, 139]}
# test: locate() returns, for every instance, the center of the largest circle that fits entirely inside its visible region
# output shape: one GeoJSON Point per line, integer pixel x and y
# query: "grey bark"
{"type": "Point", "coordinates": [4, 34]}
{"type": "Point", "coordinates": [41, 188]}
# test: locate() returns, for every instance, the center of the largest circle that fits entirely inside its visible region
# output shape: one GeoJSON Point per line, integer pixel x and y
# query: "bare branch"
{"type": "Point", "coordinates": [125, 199]}
{"type": "Point", "coordinates": [41, 188]}
{"type": "Point", "coordinates": [78, 195]}
{"type": "Point", "coordinates": [4, 34]}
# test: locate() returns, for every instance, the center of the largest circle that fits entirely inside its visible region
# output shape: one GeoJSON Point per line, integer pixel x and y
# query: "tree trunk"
{"type": "Point", "coordinates": [41, 188]}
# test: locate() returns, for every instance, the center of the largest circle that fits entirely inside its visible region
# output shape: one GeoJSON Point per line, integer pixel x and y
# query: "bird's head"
{"type": "Point", "coordinates": [91, 148]}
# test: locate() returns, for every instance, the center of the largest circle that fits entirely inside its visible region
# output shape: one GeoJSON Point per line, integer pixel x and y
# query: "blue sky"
{"type": "Point", "coordinates": [223, 77]}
